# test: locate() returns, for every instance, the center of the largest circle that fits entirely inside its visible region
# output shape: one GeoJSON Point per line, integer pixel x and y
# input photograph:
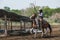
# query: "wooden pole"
{"type": "Point", "coordinates": [0, 25]}
{"type": "Point", "coordinates": [21, 25]}
{"type": "Point", "coordinates": [5, 25]}
{"type": "Point", "coordinates": [24, 25]}
{"type": "Point", "coordinates": [11, 25]}
{"type": "Point", "coordinates": [31, 24]}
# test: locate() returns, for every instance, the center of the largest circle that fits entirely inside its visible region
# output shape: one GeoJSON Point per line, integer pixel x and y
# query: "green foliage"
{"type": "Point", "coordinates": [57, 20]}
{"type": "Point", "coordinates": [47, 11]}
{"type": "Point", "coordinates": [16, 11]}
{"type": "Point", "coordinates": [56, 10]}
{"type": "Point", "coordinates": [29, 11]}
{"type": "Point", "coordinates": [7, 8]}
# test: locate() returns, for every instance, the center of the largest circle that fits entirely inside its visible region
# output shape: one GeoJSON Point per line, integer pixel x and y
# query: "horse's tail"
{"type": "Point", "coordinates": [50, 28]}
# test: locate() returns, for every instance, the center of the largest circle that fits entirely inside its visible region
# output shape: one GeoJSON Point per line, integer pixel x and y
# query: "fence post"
{"type": "Point", "coordinates": [5, 24]}
{"type": "Point", "coordinates": [11, 25]}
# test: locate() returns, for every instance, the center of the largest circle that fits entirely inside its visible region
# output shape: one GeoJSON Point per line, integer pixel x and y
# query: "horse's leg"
{"type": "Point", "coordinates": [50, 29]}
{"type": "Point", "coordinates": [46, 32]}
{"type": "Point", "coordinates": [31, 30]}
{"type": "Point", "coordinates": [42, 32]}
{"type": "Point", "coordinates": [34, 26]}
{"type": "Point", "coordinates": [35, 35]}
{"type": "Point", "coordinates": [42, 28]}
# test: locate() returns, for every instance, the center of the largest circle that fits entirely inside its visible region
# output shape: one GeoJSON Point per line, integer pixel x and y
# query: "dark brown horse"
{"type": "Point", "coordinates": [45, 25]}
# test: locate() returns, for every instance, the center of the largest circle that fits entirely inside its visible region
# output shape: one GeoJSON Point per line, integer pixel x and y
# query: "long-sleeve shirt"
{"type": "Point", "coordinates": [40, 14]}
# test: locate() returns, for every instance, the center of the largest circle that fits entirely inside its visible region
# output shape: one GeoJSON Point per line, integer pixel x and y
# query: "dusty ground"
{"type": "Point", "coordinates": [55, 36]}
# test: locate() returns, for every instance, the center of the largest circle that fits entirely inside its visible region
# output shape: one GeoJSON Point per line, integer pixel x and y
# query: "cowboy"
{"type": "Point", "coordinates": [40, 17]}
{"type": "Point", "coordinates": [40, 14]}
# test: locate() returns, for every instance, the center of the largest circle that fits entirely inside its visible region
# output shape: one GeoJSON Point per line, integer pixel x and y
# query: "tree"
{"type": "Point", "coordinates": [47, 11]}
{"type": "Point", "coordinates": [16, 11]}
{"type": "Point", "coordinates": [7, 8]}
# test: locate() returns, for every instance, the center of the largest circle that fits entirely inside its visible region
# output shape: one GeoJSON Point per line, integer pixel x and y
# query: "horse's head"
{"type": "Point", "coordinates": [33, 16]}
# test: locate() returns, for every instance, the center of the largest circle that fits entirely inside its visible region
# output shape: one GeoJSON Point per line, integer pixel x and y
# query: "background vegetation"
{"type": "Point", "coordinates": [50, 14]}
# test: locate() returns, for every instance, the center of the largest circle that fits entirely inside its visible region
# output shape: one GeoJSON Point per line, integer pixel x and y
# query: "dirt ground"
{"type": "Point", "coordinates": [55, 35]}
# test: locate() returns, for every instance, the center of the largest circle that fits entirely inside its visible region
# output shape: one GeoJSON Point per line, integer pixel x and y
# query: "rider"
{"type": "Point", "coordinates": [40, 16]}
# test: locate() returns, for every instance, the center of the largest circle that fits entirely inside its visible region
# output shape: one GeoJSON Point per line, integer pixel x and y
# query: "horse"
{"type": "Point", "coordinates": [45, 25]}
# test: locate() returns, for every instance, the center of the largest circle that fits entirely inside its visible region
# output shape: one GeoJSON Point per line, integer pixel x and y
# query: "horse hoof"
{"type": "Point", "coordinates": [42, 36]}
{"type": "Point", "coordinates": [35, 37]}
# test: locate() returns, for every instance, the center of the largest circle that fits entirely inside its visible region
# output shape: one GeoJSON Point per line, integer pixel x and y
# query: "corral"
{"type": "Point", "coordinates": [10, 18]}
